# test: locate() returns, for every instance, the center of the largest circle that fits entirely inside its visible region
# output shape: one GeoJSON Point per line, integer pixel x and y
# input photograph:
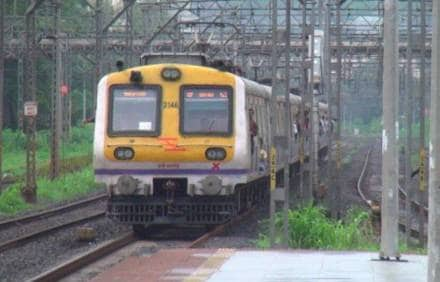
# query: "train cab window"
{"type": "Point", "coordinates": [206, 110]}
{"type": "Point", "coordinates": [134, 110]}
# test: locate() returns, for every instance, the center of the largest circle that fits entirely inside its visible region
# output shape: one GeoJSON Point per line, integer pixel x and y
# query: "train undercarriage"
{"type": "Point", "coordinates": [174, 208]}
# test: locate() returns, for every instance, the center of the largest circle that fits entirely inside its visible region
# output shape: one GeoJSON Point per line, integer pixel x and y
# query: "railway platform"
{"type": "Point", "coordinates": [219, 265]}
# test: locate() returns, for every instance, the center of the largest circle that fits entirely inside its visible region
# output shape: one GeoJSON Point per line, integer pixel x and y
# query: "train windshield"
{"type": "Point", "coordinates": [206, 110]}
{"type": "Point", "coordinates": [134, 110]}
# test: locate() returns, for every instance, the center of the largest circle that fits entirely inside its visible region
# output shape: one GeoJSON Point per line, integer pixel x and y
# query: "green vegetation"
{"type": "Point", "coordinates": [373, 128]}
{"type": "Point", "coordinates": [66, 187]}
{"type": "Point", "coordinates": [77, 151]}
{"type": "Point", "coordinates": [77, 177]}
{"type": "Point", "coordinates": [309, 228]}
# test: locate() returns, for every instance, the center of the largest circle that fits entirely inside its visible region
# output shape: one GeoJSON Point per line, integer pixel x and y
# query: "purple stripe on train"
{"type": "Point", "coordinates": [169, 171]}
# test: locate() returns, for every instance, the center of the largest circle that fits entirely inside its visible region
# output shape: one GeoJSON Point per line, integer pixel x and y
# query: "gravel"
{"type": "Point", "coordinates": [35, 257]}
{"type": "Point", "coordinates": [15, 231]}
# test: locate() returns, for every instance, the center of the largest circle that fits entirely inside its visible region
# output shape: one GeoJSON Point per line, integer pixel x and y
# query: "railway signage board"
{"type": "Point", "coordinates": [30, 109]}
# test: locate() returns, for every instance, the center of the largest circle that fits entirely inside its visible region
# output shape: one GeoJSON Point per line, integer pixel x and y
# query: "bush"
{"type": "Point", "coordinates": [68, 186]}
{"type": "Point", "coordinates": [309, 228]}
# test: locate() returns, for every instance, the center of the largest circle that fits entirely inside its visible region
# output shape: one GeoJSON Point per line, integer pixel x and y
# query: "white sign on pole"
{"type": "Point", "coordinates": [30, 109]}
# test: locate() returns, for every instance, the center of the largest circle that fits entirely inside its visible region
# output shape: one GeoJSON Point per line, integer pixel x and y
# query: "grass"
{"type": "Point", "coordinates": [14, 150]}
{"type": "Point", "coordinates": [68, 186]}
{"type": "Point", "coordinates": [309, 228]}
{"type": "Point", "coordinates": [77, 177]}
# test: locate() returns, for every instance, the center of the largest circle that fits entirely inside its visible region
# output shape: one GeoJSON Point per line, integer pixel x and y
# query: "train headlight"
{"type": "Point", "coordinates": [171, 74]}
{"type": "Point", "coordinates": [124, 153]}
{"type": "Point", "coordinates": [215, 154]}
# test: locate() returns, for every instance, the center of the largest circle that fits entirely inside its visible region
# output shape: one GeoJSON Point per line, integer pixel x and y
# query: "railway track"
{"type": "Point", "coordinates": [47, 213]}
{"type": "Point", "coordinates": [107, 248]}
{"type": "Point", "coordinates": [374, 204]}
{"type": "Point", "coordinates": [37, 234]}
{"type": "Point", "coordinates": [20, 222]}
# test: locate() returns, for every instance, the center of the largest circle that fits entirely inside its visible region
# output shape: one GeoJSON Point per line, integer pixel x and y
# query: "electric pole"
{"type": "Point", "coordinates": [408, 124]}
{"type": "Point", "coordinates": [390, 157]}
{"type": "Point", "coordinates": [434, 153]}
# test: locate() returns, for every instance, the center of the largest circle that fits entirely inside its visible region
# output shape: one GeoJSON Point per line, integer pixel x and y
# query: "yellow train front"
{"type": "Point", "coordinates": [171, 144]}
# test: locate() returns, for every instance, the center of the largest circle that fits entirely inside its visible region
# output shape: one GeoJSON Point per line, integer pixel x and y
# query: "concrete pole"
{"type": "Point", "coordinates": [272, 111]}
{"type": "Point", "coordinates": [389, 246]}
{"type": "Point", "coordinates": [434, 153]}
{"type": "Point", "coordinates": [422, 150]}
{"type": "Point", "coordinates": [57, 118]}
{"type": "Point", "coordinates": [129, 34]}
{"type": "Point", "coordinates": [29, 191]}
{"type": "Point", "coordinates": [2, 62]}
{"type": "Point", "coordinates": [84, 99]}
{"type": "Point", "coordinates": [313, 114]}
{"type": "Point", "coordinates": [301, 147]}
{"type": "Point", "coordinates": [99, 48]}
{"type": "Point", "coordinates": [408, 124]}
{"type": "Point", "coordinates": [331, 172]}
{"type": "Point", "coordinates": [288, 127]}
{"type": "Point", "coordinates": [338, 109]}
{"type": "Point", "coordinates": [320, 17]}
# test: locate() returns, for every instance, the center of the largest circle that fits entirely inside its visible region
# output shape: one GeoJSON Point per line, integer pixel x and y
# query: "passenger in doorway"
{"type": "Point", "coordinates": [253, 128]}
{"type": "Point", "coordinates": [262, 157]}
{"type": "Point", "coordinates": [295, 131]}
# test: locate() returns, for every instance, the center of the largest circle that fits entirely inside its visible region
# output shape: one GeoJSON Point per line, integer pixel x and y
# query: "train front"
{"type": "Point", "coordinates": [167, 145]}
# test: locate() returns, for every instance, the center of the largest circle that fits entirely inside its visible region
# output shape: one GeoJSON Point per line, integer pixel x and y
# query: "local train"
{"type": "Point", "coordinates": [185, 144]}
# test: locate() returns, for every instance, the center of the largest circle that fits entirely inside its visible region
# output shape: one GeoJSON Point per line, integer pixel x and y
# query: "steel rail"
{"type": "Point", "coordinates": [75, 264]}
{"type": "Point", "coordinates": [220, 229]}
{"type": "Point", "coordinates": [89, 257]}
{"type": "Point", "coordinates": [37, 234]}
{"type": "Point", "coordinates": [414, 233]}
{"type": "Point", "coordinates": [361, 179]}
{"type": "Point", "coordinates": [51, 212]}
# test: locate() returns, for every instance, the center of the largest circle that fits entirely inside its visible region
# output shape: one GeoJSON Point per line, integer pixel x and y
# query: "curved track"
{"type": "Point", "coordinates": [415, 205]}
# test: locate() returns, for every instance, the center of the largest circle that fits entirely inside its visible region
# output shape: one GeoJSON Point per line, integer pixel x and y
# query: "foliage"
{"type": "Point", "coordinates": [77, 151]}
{"type": "Point", "coordinates": [68, 186]}
{"type": "Point", "coordinates": [373, 128]}
{"type": "Point", "coordinates": [310, 228]}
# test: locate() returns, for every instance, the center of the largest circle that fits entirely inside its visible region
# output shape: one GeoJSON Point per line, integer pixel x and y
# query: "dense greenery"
{"type": "Point", "coordinates": [310, 228]}
{"type": "Point", "coordinates": [76, 151]}
{"type": "Point", "coordinates": [66, 187]}
{"type": "Point", "coordinates": [77, 175]}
